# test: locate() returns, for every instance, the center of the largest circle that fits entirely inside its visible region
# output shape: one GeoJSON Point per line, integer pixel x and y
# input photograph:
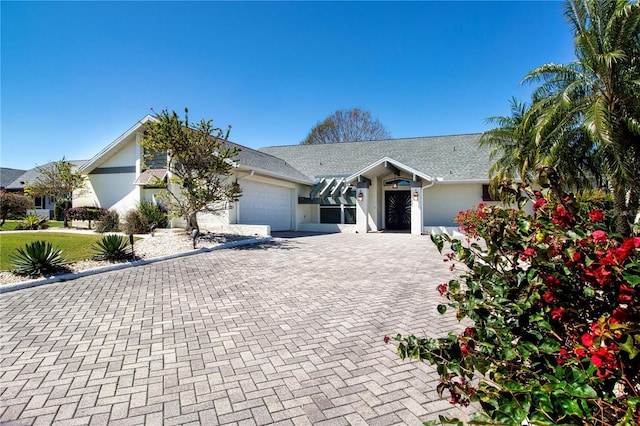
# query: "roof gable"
{"type": "Point", "coordinates": [115, 146]}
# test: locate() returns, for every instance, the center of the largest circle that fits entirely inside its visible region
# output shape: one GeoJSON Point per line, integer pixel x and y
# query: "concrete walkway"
{"type": "Point", "coordinates": [289, 332]}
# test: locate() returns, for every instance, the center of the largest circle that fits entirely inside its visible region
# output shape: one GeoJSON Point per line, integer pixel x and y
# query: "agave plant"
{"type": "Point", "coordinates": [37, 258]}
{"type": "Point", "coordinates": [112, 247]}
{"type": "Point", "coordinates": [33, 221]}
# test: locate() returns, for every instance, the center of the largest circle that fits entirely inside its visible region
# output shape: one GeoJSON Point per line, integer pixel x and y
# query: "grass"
{"type": "Point", "coordinates": [10, 225]}
{"type": "Point", "coordinates": [74, 246]}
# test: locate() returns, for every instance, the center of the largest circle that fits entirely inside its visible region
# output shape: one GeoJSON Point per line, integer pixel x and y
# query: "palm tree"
{"type": "Point", "coordinates": [594, 102]}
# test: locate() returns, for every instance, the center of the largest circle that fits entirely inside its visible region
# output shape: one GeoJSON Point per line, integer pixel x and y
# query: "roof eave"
{"type": "Point", "coordinates": [95, 160]}
{"type": "Point", "coordinates": [396, 163]}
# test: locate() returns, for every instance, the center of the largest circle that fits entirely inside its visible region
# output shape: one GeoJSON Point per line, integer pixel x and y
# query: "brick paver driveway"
{"type": "Point", "coordinates": [289, 332]}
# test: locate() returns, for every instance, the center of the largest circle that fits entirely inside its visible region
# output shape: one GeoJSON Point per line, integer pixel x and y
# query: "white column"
{"type": "Point", "coordinates": [416, 211]}
{"type": "Point", "coordinates": [362, 212]}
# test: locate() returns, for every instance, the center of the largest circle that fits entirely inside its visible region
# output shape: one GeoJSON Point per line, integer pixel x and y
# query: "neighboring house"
{"type": "Point", "coordinates": [7, 176]}
{"type": "Point", "coordinates": [415, 185]}
{"type": "Point", "coordinates": [43, 205]}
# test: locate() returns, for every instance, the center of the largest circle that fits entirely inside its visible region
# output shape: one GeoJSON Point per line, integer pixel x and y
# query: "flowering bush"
{"type": "Point", "coordinates": [555, 303]}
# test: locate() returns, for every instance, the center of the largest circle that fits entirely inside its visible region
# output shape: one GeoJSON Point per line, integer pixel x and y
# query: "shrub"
{"type": "Point", "coordinates": [555, 305]}
{"type": "Point", "coordinates": [85, 213]}
{"type": "Point", "coordinates": [33, 221]}
{"type": "Point", "coordinates": [112, 247]}
{"type": "Point", "coordinates": [37, 258]}
{"type": "Point", "coordinates": [153, 214]}
{"type": "Point", "coordinates": [108, 222]}
{"type": "Point", "coordinates": [146, 217]}
{"type": "Point", "coordinates": [134, 223]}
{"type": "Point", "coordinates": [60, 207]}
{"type": "Point", "coordinates": [13, 205]}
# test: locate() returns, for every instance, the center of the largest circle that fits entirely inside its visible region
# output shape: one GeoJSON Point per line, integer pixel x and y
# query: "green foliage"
{"type": "Point", "coordinates": [57, 180]}
{"type": "Point", "coordinates": [88, 214]}
{"type": "Point", "coordinates": [60, 207]}
{"type": "Point", "coordinates": [583, 116]}
{"type": "Point", "coordinates": [135, 223]}
{"type": "Point", "coordinates": [347, 126]}
{"type": "Point", "coordinates": [154, 214]}
{"type": "Point", "coordinates": [109, 221]}
{"type": "Point", "coordinates": [37, 258]}
{"type": "Point", "coordinates": [145, 218]}
{"type": "Point", "coordinates": [112, 247]}
{"type": "Point", "coordinates": [555, 305]}
{"type": "Point", "coordinates": [33, 221]}
{"type": "Point", "coordinates": [76, 247]}
{"type": "Point", "coordinates": [200, 161]}
{"type": "Point", "coordinates": [13, 204]}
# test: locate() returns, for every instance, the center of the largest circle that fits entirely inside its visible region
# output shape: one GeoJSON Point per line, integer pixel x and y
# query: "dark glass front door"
{"type": "Point", "coordinates": [398, 210]}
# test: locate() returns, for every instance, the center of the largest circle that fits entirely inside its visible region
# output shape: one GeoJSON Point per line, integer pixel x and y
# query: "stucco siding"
{"type": "Point", "coordinates": [115, 191]}
{"type": "Point", "coordinates": [443, 202]}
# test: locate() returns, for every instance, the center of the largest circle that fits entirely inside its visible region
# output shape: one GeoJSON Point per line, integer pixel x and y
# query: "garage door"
{"type": "Point", "coordinates": [263, 204]}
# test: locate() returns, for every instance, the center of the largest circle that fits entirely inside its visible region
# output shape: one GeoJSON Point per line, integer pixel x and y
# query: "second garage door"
{"type": "Point", "coordinates": [263, 204]}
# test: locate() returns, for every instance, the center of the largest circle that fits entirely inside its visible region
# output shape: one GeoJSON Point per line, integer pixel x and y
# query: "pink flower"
{"type": "Point", "coordinates": [599, 236]}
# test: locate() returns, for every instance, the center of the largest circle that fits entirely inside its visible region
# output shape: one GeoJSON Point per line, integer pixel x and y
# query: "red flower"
{"type": "Point", "coordinates": [551, 281]}
{"type": "Point", "coordinates": [587, 340]}
{"type": "Point", "coordinates": [464, 349]}
{"type": "Point", "coordinates": [548, 297]}
{"type": "Point", "coordinates": [556, 313]}
{"type": "Point", "coordinates": [386, 339]}
{"type": "Point", "coordinates": [469, 331]}
{"type": "Point", "coordinates": [442, 288]}
{"type": "Point", "coordinates": [541, 202]}
{"type": "Point", "coordinates": [596, 215]}
{"type": "Point", "coordinates": [528, 253]}
{"type": "Point", "coordinates": [580, 353]}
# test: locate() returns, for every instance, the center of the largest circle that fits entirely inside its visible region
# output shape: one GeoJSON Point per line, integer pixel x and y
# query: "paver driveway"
{"type": "Point", "coordinates": [288, 332]}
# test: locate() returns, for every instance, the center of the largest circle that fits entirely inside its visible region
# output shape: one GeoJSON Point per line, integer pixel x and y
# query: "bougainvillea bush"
{"type": "Point", "coordinates": [554, 298]}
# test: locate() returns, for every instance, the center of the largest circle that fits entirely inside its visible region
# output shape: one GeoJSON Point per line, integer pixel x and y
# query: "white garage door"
{"type": "Point", "coordinates": [263, 204]}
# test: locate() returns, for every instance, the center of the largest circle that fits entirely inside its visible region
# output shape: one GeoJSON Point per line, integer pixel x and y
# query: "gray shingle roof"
{"type": "Point", "coordinates": [454, 158]}
{"type": "Point", "coordinates": [32, 174]}
{"type": "Point", "coordinates": [261, 161]}
{"type": "Point", "coordinates": [7, 176]}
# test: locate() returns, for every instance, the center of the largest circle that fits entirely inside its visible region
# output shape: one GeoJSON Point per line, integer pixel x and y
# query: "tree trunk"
{"type": "Point", "coordinates": [192, 222]}
{"type": "Point", "coordinates": [623, 226]}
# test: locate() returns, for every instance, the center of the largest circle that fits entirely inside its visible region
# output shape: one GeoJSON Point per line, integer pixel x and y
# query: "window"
{"type": "Point", "coordinates": [338, 214]}
{"type": "Point", "coordinates": [39, 202]}
{"type": "Point", "coordinates": [486, 194]}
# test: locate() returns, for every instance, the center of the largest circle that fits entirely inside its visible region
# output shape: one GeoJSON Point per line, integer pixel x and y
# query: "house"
{"type": "Point", "coordinates": [413, 185]}
{"type": "Point", "coordinates": [44, 206]}
{"type": "Point", "coordinates": [7, 176]}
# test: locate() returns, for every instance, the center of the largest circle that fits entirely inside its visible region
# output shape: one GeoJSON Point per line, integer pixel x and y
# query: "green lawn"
{"type": "Point", "coordinates": [10, 225]}
{"type": "Point", "coordinates": [74, 246]}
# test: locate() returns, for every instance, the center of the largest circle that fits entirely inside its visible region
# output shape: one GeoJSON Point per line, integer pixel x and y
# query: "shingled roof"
{"type": "Point", "coordinates": [7, 176]}
{"type": "Point", "coordinates": [454, 158]}
{"type": "Point", "coordinates": [32, 174]}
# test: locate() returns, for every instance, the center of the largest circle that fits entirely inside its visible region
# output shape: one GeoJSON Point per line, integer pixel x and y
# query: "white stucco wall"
{"type": "Point", "coordinates": [442, 202]}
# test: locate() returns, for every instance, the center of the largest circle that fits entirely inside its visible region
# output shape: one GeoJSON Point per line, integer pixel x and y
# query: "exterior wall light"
{"type": "Point", "coordinates": [416, 195]}
{"type": "Point", "coordinates": [360, 196]}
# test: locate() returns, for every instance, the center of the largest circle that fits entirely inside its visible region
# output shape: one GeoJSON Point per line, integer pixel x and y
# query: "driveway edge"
{"type": "Point", "coordinates": [88, 272]}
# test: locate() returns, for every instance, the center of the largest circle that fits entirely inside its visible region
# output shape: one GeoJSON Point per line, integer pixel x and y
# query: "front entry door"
{"type": "Point", "coordinates": [398, 210]}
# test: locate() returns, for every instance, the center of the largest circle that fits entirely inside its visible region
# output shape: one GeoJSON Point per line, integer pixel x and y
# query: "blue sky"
{"type": "Point", "coordinates": [76, 75]}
